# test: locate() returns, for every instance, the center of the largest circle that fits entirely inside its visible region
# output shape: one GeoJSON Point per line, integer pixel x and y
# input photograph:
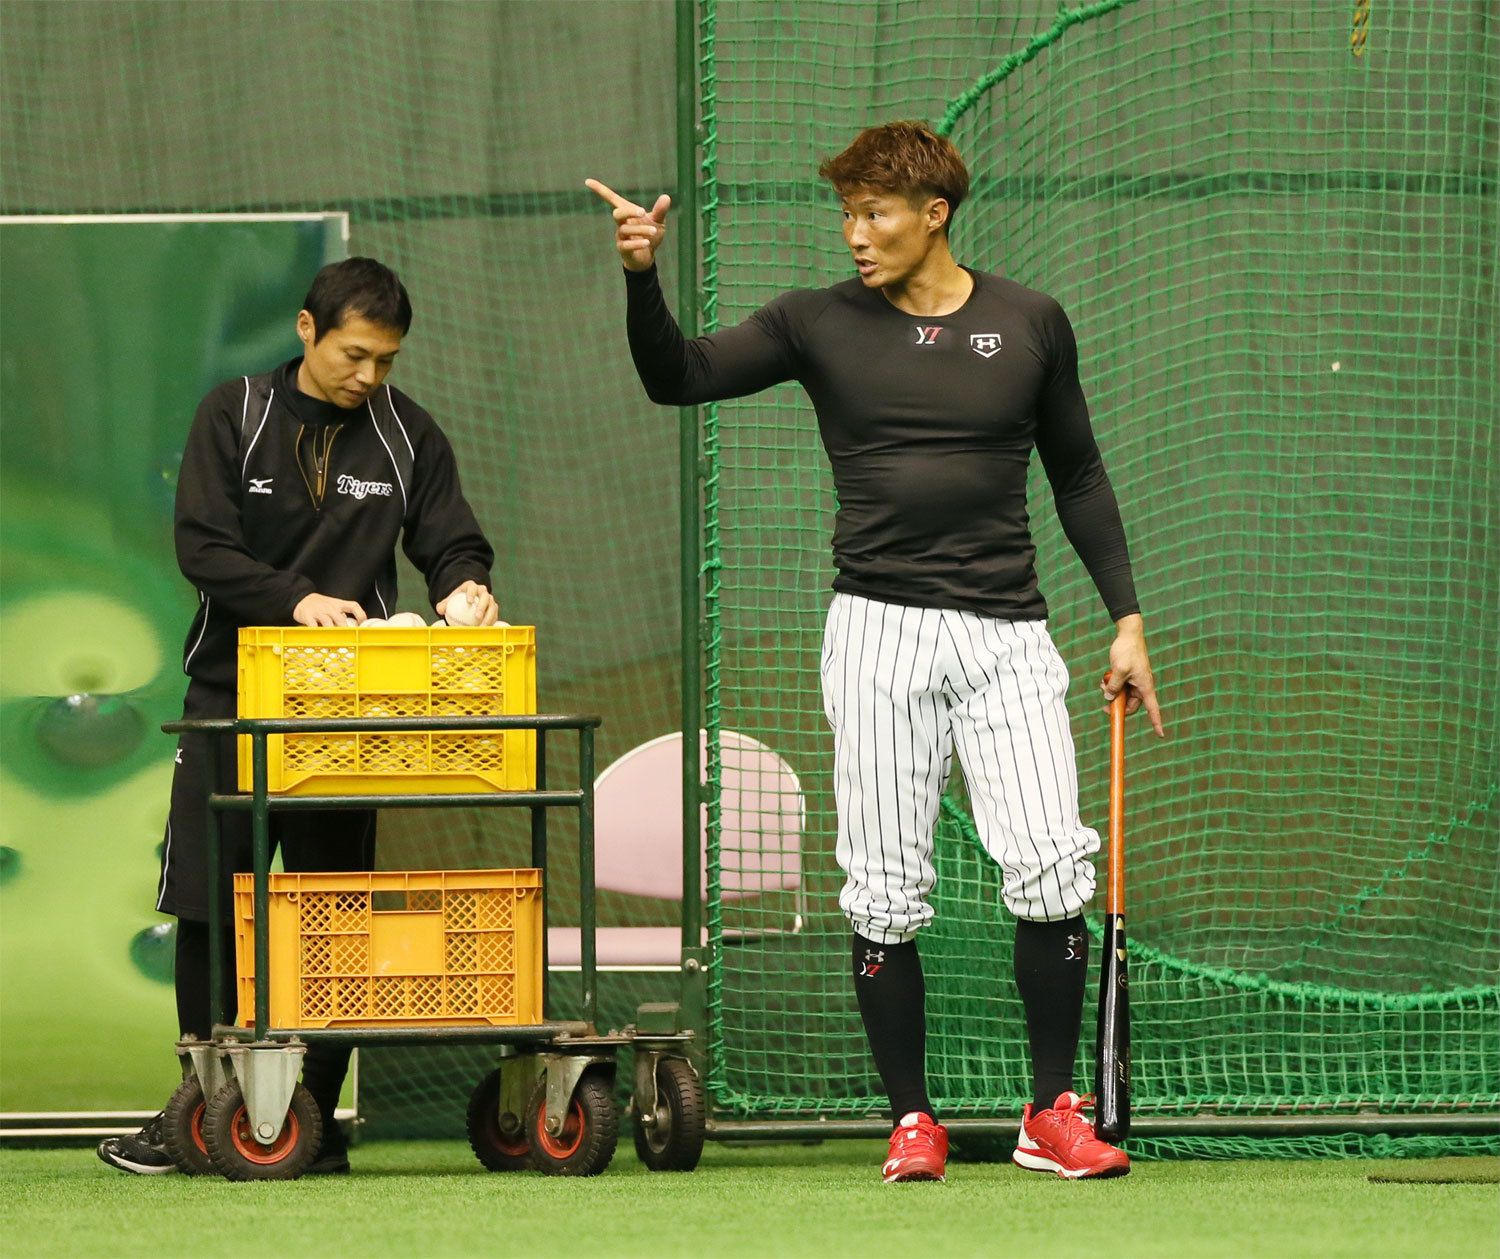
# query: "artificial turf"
{"type": "Point", "coordinates": [424, 1199]}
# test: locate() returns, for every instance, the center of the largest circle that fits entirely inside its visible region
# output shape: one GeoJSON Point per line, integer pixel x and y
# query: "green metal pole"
{"type": "Point", "coordinates": [587, 916]}
{"type": "Point", "coordinates": [813, 1129]}
{"type": "Point", "coordinates": [260, 826]}
{"type": "Point", "coordinates": [690, 475]}
{"type": "Point", "coordinates": [215, 919]}
{"type": "Point", "coordinates": [215, 746]}
{"type": "Point", "coordinates": [539, 849]}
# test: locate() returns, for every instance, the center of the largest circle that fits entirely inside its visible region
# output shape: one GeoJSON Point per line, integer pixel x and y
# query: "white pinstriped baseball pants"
{"type": "Point", "coordinates": [901, 688]}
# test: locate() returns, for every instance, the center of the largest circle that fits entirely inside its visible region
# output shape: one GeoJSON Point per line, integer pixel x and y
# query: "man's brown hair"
{"type": "Point", "coordinates": [905, 157]}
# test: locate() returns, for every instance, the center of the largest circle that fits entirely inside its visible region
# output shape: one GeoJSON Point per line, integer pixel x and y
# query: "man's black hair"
{"type": "Point", "coordinates": [359, 286]}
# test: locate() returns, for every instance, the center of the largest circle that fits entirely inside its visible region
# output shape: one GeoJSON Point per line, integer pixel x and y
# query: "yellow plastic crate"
{"type": "Point", "coordinates": [391, 948]}
{"type": "Point", "coordinates": [390, 672]}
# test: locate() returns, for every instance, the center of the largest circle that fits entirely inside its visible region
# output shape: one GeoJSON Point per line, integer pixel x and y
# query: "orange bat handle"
{"type": "Point", "coordinates": [1115, 894]}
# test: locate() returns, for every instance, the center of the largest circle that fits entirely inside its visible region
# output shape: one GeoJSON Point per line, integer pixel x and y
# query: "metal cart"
{"type": "Point", "coordinates": [549, 1103]}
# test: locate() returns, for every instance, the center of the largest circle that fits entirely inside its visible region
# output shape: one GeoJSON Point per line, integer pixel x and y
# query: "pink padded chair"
{"type": "Point", "coordinates": [638, 843]}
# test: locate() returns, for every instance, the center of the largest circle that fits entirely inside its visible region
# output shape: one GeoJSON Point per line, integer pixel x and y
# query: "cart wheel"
{"type": "Point", "coordinates": [182, 1129]}
{"type": "Point", "coordinates": [587, 1141]}
{"type": "Point", "coordinates": [499, 1142]}
{"type": "Point", "coordinates": [674, 1143]}
{"type": "Point", "coordinates": [237, 1155]}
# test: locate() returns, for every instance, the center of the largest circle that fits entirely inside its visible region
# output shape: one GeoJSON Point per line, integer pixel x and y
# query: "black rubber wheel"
{"type": "Point", "coordinates": [674, 1143]}
{"type": "Point", "coordinates": [236, 1153]}
{"type": "Point", "coordinates": [498, 1141]}
{"type": "Point", "coordinates": [182, 1129]}
{"type": "Point", "coordinates": [587, 1141]}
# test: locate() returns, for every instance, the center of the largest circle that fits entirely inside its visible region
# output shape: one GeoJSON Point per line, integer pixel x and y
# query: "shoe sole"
{"type": "Point", "coordinates": [1038, 1163]}
{"type": "Point", "coordinates": [902, 1178]}
{"type": "Point", "coordinates": [135, 1169]}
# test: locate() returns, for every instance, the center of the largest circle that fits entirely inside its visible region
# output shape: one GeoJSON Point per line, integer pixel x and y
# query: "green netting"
{"type": "Point", "coordinates": [1228, 202]}
{"type": "Point", "coordinates": [1280, 260]}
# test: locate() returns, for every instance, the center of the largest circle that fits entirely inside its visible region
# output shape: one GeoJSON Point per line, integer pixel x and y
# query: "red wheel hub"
{"type": "Point", "coordinates": [567, 1142]}
{"type": "Point", "coordinates": [512, 1142]}
{"type": "Point", "coordinates": [245, 1144]}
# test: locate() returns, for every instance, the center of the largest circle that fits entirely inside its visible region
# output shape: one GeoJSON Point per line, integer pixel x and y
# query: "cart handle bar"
{"type": "Point", "coordinates": [340, 725]}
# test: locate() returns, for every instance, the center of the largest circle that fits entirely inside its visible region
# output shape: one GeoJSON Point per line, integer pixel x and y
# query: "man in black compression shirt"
{"type": "Point", "coordinates": [932, 383]}
{"type": "Point", "coordinates": [296, 487]}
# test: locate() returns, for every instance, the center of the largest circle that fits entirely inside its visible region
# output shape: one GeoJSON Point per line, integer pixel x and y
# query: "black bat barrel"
{"type": "Point", "coordinates": [1112, 1043]}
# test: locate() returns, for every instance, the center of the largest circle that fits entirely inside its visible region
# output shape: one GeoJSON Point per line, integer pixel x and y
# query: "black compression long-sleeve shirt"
{"type": "Point", "coordinates": [929, 423]}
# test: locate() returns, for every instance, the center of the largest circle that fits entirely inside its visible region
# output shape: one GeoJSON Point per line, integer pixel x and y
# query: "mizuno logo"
{"type": "Point", "coordinates": [261, 485]}
{"type": "Point", "coordinates": [929, 335]}
{"type": "Point", "coordinates": [359, 489]}
{"type": "Point", "coordinates": [985, 344]}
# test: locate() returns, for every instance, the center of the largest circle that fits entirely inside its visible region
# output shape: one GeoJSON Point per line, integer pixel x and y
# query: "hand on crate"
{"type": "Point", "coordinates": [316, 609]}
{"type": "Point", "coordinates": [470, 604]}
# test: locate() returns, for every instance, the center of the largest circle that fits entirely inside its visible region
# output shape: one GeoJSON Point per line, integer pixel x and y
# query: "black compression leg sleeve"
{"type": "Point", "coordinates": [893, 1004]}
{"type": "Point", "coordinates": [1052, 960]}
{"type": "Point", "coordinates": [190, 978]}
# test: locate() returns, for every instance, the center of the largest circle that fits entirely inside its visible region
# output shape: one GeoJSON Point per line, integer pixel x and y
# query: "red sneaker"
{"type": "Point", "coordinates": [1061, 1140]}
{"type": "Point", "coordinates": [919, 1150]}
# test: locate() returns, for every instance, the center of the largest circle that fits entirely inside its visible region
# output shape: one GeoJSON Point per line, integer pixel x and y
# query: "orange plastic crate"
{"type": "Point", "coordinates": [390, 671]}
{"type": "Point", "coordinates": [391, 948]}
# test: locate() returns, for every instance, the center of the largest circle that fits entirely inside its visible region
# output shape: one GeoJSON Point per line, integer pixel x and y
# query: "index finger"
{"type": "Point", "coordinates": [1153, 711]}
{"type": "Point", "coordinates": [613, 197]}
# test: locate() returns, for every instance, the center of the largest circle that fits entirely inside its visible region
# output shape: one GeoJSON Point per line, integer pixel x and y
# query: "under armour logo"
{"type": "Point", "coordinates": [928, 335]}
{"type": "Point", "coordinates": [870, 967]}
{"type": "Point", "coordinates": [874, 955]}
{"type": "Point", "coordinates": [985, 344]}
{"type": "Point", "coordinates": [1073, 954]}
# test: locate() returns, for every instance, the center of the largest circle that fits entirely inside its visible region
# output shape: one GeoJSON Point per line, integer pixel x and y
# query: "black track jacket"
{"type": "Point", "coordinates": [258, 528]}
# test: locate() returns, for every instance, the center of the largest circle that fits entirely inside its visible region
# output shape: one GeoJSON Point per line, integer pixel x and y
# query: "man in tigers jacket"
{"type": "Point", "coordinates": [295, 488]}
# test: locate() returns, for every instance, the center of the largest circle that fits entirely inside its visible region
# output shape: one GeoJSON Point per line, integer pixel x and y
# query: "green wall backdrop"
{"type": "Point", "coordinates": [110, 332]}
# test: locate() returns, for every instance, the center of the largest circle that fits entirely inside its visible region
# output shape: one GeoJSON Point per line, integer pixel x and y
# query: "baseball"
{"type": "Point", "coordinates": [462, 609]}
{"type": "Point", "coordinates": [407, 619]}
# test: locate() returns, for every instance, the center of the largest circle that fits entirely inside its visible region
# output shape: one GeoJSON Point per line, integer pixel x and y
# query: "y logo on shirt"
{"type": "Point", "coordinates": [261, 485]}
{"type": "Point", "coordinates": [985, 344]}
{"type": "Point", "coordinates": [928, 335]}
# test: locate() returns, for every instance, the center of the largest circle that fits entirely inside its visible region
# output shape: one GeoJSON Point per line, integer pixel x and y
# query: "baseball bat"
{"type": "Point", "coordinates": [1112, 1042]}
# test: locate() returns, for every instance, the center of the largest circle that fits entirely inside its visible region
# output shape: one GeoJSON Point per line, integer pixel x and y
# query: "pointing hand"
{"type": "Point", "coordinates": [638, 232]}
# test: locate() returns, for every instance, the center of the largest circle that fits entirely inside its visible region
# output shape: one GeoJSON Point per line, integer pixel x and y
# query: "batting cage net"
{"type": "Point", "coordinates": [1274, 228]}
